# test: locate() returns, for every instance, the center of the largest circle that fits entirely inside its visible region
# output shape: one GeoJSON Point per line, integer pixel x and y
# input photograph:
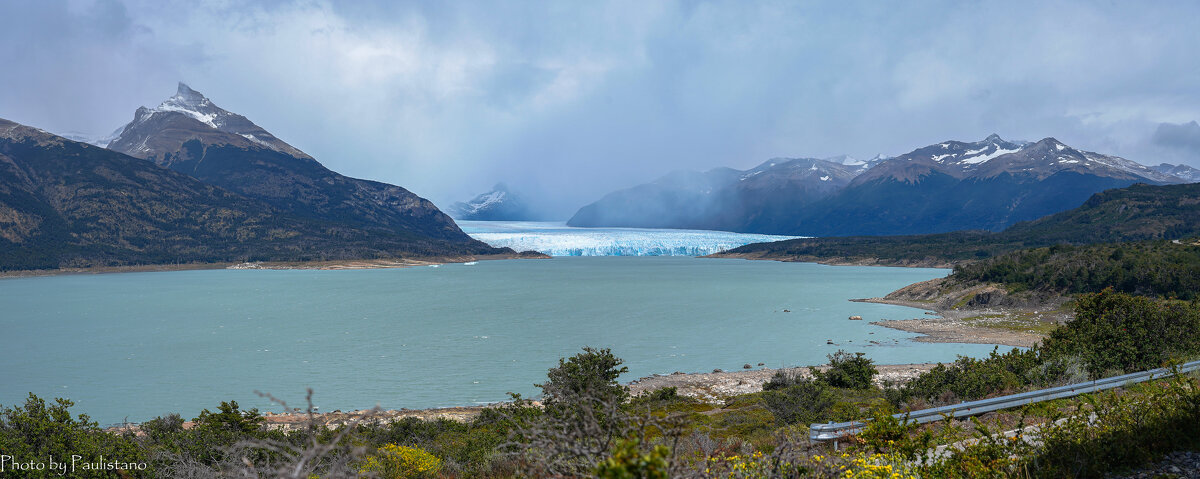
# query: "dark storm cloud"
{"type": "Point", "coordinates": [1185, 136]}
{"type": "Point", "coordinates": [566, 101]}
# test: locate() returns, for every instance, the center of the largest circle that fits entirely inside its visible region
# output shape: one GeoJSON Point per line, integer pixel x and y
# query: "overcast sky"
{"type": "Point", "coordinates": [568, 100]}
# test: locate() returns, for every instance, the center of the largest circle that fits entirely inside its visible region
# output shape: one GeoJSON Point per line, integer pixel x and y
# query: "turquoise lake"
{"type": "Point", "coordinates": [138, 345]}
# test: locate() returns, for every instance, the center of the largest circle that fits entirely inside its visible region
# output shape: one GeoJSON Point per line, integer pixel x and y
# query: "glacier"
{"type": "Point", "coordinates": [557, 239]}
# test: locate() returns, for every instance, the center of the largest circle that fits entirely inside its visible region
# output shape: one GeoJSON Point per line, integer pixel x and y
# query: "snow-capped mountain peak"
{"type": "Point", "coordinates": [1181, 171]}
{"type": "Point", "coordinates": [186, 105]}
{"type": "Point", "coordinates": [499, 204]}
{"type": "Point", "coordinates": [194, 104]}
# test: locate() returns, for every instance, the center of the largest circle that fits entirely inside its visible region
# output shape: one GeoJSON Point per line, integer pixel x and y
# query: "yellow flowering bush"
{"type": "Point", "coordinates": [627, 462]}
{"type": "Point", "coordinates": [401, 462]}
{"type": "Point", "coordinates": [737, 466]}
{"type": "Point", "coordinates": [867, 466]}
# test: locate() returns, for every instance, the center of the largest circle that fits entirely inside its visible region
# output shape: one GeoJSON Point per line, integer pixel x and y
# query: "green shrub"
{"type": "Point", "coordinates": [850, 371]}
{"type": "Point", "coordinates": [592, 374]}
{"type": "Point", "coordinates": [39, 433]}
{"type": "Point", "coordinates": [969, 378]}
{"type": "Point", "coordinates": [1110, 431]}
{"type": "Point", "coordinates": [230, 418]}
{"type": "Point", "coordinates": [804, 401]}
{"type": "Point", "coordinates": [629, 462]}
{"type": "Point", "coordinates": [1116, 331]}
{"type": "Point", "coordinates": [782, 379]}
{"type": "Point", "coordinates": [667, 393]}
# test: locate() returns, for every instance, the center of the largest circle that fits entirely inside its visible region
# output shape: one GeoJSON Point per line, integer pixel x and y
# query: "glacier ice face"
{"type": "Point", "coordinates": [557, 239]}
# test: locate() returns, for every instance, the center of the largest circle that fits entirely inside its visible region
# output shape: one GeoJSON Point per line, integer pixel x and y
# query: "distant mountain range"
{"type": "Point", "coordinates": [498, 204]}
{"type": "Point", "coordinates": [1135, 213]}
{"type": "Point", "coordinates": [216, 187]}
{"type": "Point", "coordinates": [988, 185]}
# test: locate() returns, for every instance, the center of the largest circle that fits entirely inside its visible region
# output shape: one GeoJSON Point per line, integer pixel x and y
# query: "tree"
{"type": "Point", "coordinates": [591, 374]}
{"type": "Point", "coordinates": [850, 371]}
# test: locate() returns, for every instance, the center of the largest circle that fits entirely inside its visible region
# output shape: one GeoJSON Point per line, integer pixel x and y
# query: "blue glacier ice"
{"type": "Point", "coordinates": [557, 239]}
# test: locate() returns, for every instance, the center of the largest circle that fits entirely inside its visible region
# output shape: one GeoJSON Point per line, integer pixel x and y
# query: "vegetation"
{"type": "Point", "coordinates": [850, 371]}
{"type": "Point", "coordinates": [1162, 269]}
{"type": "Point", "coordinates": [401, 462]}
{"type": "Point", "coordinates": [37, 432]}
{"type": "Point", "coordinates": [1112, 333]}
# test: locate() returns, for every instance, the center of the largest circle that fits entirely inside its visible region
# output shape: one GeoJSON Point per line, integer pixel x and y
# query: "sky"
{"type": "Point", "coordinates": [568, 100]}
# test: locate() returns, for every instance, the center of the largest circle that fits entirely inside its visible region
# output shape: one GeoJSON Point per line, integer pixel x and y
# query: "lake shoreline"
{"type": "Point", "coordinates": [925, 263]}
{"type": "Point", "coordinates": [712, 387]}
{"type": "Point", "coordinates": [991, 325]}
{"type": "Point", "coordinates": [275, 265]}
{"type": "Point", "coordinates": [951, 326]}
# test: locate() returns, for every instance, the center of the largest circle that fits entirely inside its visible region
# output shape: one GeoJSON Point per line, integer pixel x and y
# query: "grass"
{"type": "Point", "coordinates": [1025, 322]}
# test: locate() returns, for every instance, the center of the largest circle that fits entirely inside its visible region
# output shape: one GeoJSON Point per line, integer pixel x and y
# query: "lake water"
{"type": "Point", "coordinates": [138, 345]}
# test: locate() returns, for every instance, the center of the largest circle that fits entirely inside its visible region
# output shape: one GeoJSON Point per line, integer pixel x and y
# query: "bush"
{"type": "Point", "coordinates": [666, 393]}
{"type": "Point", "coordinates": [1116, 331]}
{"type": "Point", "coordinates": [969, 378]}
{"type": "Point", "coordinates": [804, 401]}
{"type": "Point", "coordinates": [38, 432]}
{"type": "Point", "coordinates": [230, 418]}
{"type": "Point", "coordinates": [592, 373]}
{"type": "Point", "coordinates": [401, 462]}
{"type": "Point", "coordinates": [1113, 431]}
{"type": "Point", "coordinates": [782, 379]}
{"type": "Point", "coordinates": [628, 462]}
{"type": "Point", "coordinates": [850, 371]}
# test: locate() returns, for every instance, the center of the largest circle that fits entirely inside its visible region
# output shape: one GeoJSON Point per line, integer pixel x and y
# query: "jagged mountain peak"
{"type": "Point", "coordinates": [1181, 171]}
{"type": "Point", "coordinates": [190, 115]}
{"type": "Point", "coordinates": [185, 94]}
{"type": "Point", "coordinates": [1050, 141]}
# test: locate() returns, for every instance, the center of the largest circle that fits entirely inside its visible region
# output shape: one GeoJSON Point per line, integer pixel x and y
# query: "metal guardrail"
{"type": "Point", "coordinates": [834, 431]}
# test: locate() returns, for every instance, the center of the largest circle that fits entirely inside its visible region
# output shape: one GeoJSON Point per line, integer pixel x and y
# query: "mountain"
{"type": "Point", "coordinates": [722, 198]}
{"type": "Point", "coordinates": [70, 204]}
{"type": "Point", "coordinates": [950, 186]}
{"type": "Point", "coordinates": [953, 185]}
{"type": "Point", "coordinates": [101, 141]}
{"type": "Point", "coordinates": [189, 134]}
{"type": "Point", "coordinates": [1134, 213]}
{"type": "Point", "coordinates": [1184, 172]}
{"type": "Point", "coordinates": [499, 204]}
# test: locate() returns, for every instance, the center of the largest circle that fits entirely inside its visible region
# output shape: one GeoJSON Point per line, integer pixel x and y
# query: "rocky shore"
{"type": "Point", "coordinates": [982, 313]}
{"type": "Point", "coordinates": [715, 387]}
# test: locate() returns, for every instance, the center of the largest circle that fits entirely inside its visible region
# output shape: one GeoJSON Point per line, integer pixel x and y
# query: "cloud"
{"type": "Point", "coordinates": [568, 101]}
{"type": "Point", "coordinates": [1184, 136]}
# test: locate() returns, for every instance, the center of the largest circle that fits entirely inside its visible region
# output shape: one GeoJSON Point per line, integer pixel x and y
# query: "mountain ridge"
{"type": "Point", "coordinates": [953, 185]}
{"type": "Point", "coordinates": [67, 204]}
{"type": "Point", "coordinates": [189, 134]}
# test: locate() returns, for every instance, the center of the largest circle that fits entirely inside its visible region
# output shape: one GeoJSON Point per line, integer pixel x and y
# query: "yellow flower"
{"type": "Point", "coordinates": [401, 462]}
